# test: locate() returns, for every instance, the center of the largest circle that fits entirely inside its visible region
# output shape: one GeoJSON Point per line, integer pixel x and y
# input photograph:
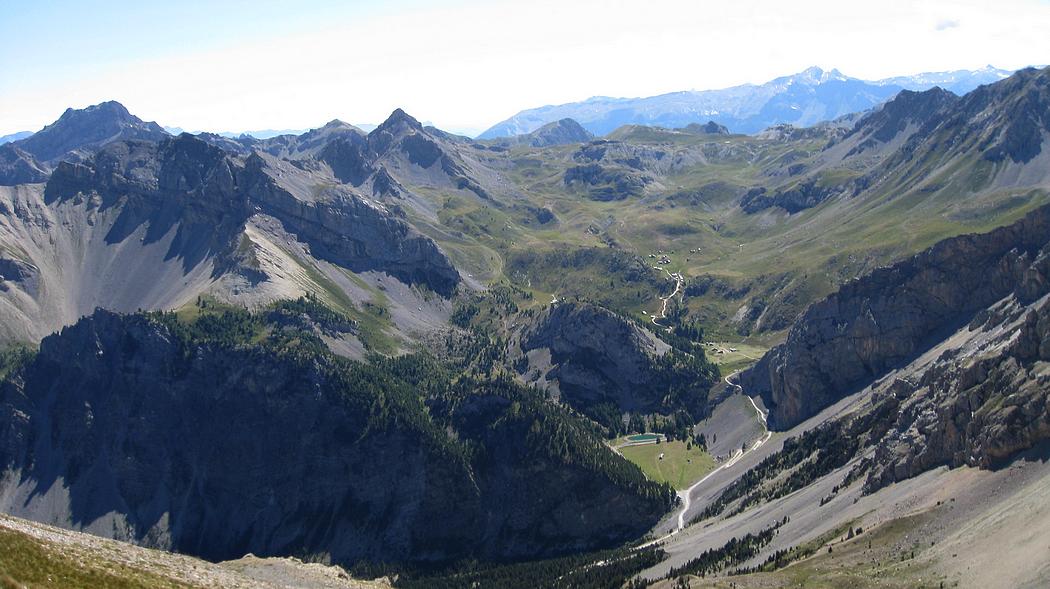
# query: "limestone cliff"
{"type": "Point", "coordinates": [882, 320]}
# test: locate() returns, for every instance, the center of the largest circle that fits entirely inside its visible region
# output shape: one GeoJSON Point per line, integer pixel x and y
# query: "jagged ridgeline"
{"type": "Point", "coordinates": [235, 432]}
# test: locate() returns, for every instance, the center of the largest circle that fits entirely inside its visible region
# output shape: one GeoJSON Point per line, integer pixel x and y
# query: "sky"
{"type": "Point", "coordinates": [464, 65]}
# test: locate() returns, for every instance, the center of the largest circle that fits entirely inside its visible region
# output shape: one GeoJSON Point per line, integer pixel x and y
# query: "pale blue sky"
{"type": "Point", "coordinates": [466, 64]}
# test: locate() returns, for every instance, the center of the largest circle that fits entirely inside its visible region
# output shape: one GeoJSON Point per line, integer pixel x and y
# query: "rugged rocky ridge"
{"type": "Point", "coordinates": [239, 434]}
{"type": "Point", "coordinates": [907, 112]}
{"type": "Point", "coordinates": [605, 365]}
{"type": "Point", "coordinates": [153, 225]}
{"type": "Point", "coordinates": [882, 320]}
{"type": "Point", "coordinates": [928, 141]}
{"type": "Point", "coordinates": [346, 228]}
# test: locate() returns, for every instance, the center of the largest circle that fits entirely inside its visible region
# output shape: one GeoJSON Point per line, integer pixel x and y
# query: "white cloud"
{"type": "Point", "coordinates": [469, 65]}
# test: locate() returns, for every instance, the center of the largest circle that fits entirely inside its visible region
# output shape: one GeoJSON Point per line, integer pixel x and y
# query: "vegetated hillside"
{"type": "Point", "coordinates": [802, 99]}
{"type": "Point", "coordinates": [36, 554]}
{"type": "Point", "coordinates": [235, 432]}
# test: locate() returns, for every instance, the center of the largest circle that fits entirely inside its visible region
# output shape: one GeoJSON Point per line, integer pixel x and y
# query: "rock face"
{"type": "Point", "coordinates": [880, 321]}
{"type": "Point", "coordinates": [181, 183]}
{"type": "Point", "coordinates": [977, 405]}
{"type": "Point", "coordinates": [196, 186]}
{"type": "Point", "coordinates": [77, 132]}
{"type": "Point", "coordinates": [131, 427]}
{"type": "Point", "coordinates": [348, 229]}
{"type": "Point", "coordinates": [805, 195]}
{"type": "Point", "coordinates": [597, 361]}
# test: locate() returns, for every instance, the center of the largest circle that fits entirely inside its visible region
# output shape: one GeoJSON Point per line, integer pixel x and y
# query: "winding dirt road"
{"type": "Point", "coordinates": [686, 495]}
{"type": "Point", "coordinates": [678, 281]}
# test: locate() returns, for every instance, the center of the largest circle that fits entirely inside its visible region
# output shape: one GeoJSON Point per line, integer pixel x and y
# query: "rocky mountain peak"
{"type": "Point", "coordinates": [109, 108]}
{"type": "Point", "coordinates": [336, 124]}
{"type": "Point", "coordinates": [398, 122]}
{"type": "Point", "coordinates": [559, 132]}
{"type": "Point", "coordinates": [816, 75]}
{"type": "Point", "coordinates": [79, 131]}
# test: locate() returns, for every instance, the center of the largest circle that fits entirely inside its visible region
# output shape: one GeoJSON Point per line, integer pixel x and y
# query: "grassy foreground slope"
{"type": "Point", "coordinates": [37, 555]}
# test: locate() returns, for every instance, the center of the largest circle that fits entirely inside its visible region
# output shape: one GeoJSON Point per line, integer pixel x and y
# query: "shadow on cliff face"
{"type": "Point", "coordinates": [887, 318]}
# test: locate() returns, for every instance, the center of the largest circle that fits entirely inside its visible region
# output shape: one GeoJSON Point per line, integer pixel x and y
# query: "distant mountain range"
{"type": "Point", "coordinates": [803, 99]}
{"type": "Point", "coordinates": [14, 137]}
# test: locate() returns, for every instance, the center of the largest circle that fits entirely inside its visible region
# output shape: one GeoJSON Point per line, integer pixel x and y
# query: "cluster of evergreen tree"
{"type": "Point", "coordinates": [458, 407]}
{"type": "Point", "coordinates": [14, 357]}
{"type": "Point", "coordinates": [734, 552]}
{"type": "Point", "coordinates": [601, 570]}
{"type": "Point", "coordinates": [685, 380]}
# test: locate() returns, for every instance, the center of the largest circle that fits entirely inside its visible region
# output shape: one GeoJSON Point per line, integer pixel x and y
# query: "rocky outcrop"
{"type": "Point", "coordinates": [606, 184]}
{"type": "Point", "coordinates": [197, 439]}
{"type": "Point", "coordinates": [19, 167]}
{"type": "Point", "coordinates": [180, 182]}
{"type": "Point", "coordinates": [708, 128]}
{"type": "Point", "coordinates": [978, 405]}
{"type": "Point", "coordinates": [802, 196]}
{"type": "Point", "coordinates": [78, 132]}
{"type": "Point", "coordinates": [882, 320]}
{"type": "Point", "coordinates": [599, 360]}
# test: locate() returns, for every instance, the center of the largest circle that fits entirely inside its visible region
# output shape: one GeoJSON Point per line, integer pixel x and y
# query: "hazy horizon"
{"type": "Point", "coordinates": [464, 65]}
